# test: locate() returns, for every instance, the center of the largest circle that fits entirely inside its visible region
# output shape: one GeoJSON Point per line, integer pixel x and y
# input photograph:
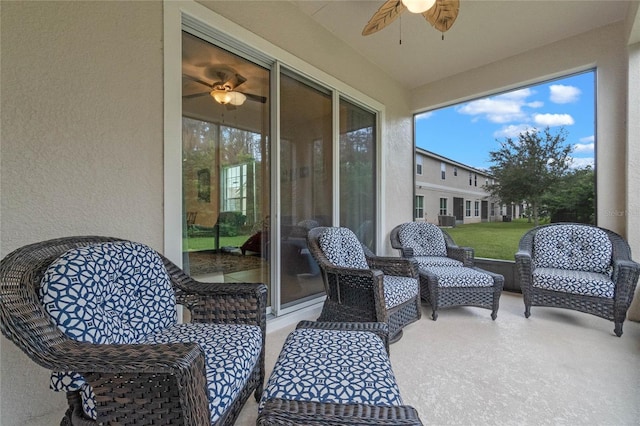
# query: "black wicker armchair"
{"type": "Point", "coordinates": [448, 277]}
{"type": "Point", "coordinates": [576, 266]}
{"type": "Point", "coordinates": [151, 381]}
{"type": "Point", "coordinates": [363, 287]}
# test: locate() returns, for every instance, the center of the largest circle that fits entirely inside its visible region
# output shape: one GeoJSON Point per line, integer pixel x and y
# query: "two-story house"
{"type": "Point", "coordinates": [448, 192]}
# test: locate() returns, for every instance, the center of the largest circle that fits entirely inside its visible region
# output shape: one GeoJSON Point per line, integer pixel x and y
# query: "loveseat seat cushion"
{"type": "Point", "coordinates": [572, 247]}
{"type": "Point", "coordinates": [330, 366]}
{"type": "Point", "coordinates": [425, 239]}
{"type": "Point", "coordinates": [342, 248]}
{"type": "Point", "coordinates": [575, 282]}
{"type": "Point", "coordinates": [398, 290]}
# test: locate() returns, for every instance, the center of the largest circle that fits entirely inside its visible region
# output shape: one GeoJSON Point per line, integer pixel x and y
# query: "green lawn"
{"type": "Point", "coordinates": [494, 240]}
{"type": "Point", "coordinates": [209, 243]}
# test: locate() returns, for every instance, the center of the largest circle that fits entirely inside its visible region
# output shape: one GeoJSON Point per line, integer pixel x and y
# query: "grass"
{"type": "Point", "coordinates": [209, 243]}
{"type": "Point", "coordinates": [493, 240]}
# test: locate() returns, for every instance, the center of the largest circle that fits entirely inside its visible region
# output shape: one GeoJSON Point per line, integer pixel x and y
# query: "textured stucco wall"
{"type": "Point", "coordinates": [633, 165]}
{"type": "Point", "coordinates": [82, 137]}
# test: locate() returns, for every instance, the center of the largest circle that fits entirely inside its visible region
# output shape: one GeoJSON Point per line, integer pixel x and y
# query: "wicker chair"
{"type": "Point", "coordinates": [448, 277]}
{"type": "Point", "coordinates": [160, 380]}
{"type": "Point", "coordinates": [575, 266]}
{"type": "Point", "coordinates": [362, 287]}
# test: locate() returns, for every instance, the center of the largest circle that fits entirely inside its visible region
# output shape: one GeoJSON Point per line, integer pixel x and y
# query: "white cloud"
{"type": "Point", "coordinates": [535, 104]}
{"type": "Point", "coordinates": [581, 163]}
{"type": "Point", "coordinates": [588, 139]}
{"type": "Point", "coordinates": [561, 94]}
{"type": "Point", "coordinates": [553, 120]}
{"type": "Point", "coordinates": [424, 115]}
{"type": "Point", "coordinates": [583, 147]}
{"type": "Point", "coordinates": [512, 131]}
{"type": "Point", "coordinates": [497, 110]}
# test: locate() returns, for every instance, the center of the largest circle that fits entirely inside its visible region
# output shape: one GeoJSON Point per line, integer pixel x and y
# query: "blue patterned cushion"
{"type": "Point", "coordinates": [429, 261]}
{"type": "Point", "coordinates": [424, 238]}
{"type": "Point", "coordinates": [574, 247]}
{"type": "Point", "coordinates": [576, 282]}
{"type": "Point", "coordinates": [340, 367]}
{"type": "Point", "coordinates": [231, 353]}
{"type": "Point", "coordinates": [398, 290]}
{"type": "Point", "coordinates": [461, 277]}
{"type": "Point", "coordinates": [342, 248]}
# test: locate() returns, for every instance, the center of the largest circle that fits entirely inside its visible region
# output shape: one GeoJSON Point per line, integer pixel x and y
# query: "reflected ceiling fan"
{"type": "Point", "coordinates": [223, 90]}
{"type": "Point", "coordinates": [441, 14]}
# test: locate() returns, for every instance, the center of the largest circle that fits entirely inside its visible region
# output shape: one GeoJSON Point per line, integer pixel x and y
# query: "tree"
{"type": "Point", "coordinates": [524, 168]}
{"type": "Point", "coordinates": [572, 199]}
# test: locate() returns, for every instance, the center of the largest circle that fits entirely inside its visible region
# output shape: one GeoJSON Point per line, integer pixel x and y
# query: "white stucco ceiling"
{"type": "Point", "coordinates": [485, 31]}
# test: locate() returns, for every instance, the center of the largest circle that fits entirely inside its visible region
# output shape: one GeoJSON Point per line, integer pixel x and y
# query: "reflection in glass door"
{"type": "Point", "coordinates": [305, 183]}
{"type": "Point", "coordinates": [225, 174]}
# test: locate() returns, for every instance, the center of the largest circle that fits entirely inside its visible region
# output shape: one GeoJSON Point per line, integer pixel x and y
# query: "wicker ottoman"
{"type": "Point", "coordinates": [445, 287]}
{"type": "Point", "coordinates": [332, 373]}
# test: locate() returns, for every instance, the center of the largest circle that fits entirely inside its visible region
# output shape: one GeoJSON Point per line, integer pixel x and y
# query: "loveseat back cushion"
{"type": "Point", "coordinates": [115, 292]}
{"type": "Point", "coordinates": [572, 247]}
{"type": "Point", "coordinates": [424, 238]}
{"type": "Point", "coordinates": [342, 248]}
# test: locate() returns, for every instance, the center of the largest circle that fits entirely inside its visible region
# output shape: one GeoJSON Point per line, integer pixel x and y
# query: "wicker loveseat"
{"type": "Point", "coordinates": [363, 287]}
{"type": "Point", "coordinates": [101, 314]}
{"type": "Point", "coordinates": [580, 267]}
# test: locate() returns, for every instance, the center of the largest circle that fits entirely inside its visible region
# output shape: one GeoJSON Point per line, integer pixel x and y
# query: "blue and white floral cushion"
{"type": "Point", "coordinates": [340, 367]}
{"type": "Point", "coordinates": [442, 261]}
{"type": "Point", "coordinates": [573, 259]}
{"type": "Point", "coordinates": [231, 354]}
{"type": "Point", "coordinates": [342, 248]}
{"type": "Point", "coordinates": [424, 238]}
{"type": "Point", "coordinates": [573, 247]}
{"type": "Point", "coordinates": [461, 277]}
{"type": "Point", "coordinates": [398, 290]}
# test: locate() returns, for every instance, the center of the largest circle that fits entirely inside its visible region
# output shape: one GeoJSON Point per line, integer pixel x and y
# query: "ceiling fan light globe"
{"type": "Point", "coordinates": [418, 6]}
{"type": "Point", "coordinates": [221, 96]}
{"type": "Point", "coordinates": [237, 98]}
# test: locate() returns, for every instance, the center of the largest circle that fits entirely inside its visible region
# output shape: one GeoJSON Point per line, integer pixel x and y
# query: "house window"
{"type": "Point", "coordinates": [418, 165]}
{"type": "Point", "coordinates": [476, 208]}
{"type": "Point", "coordinates": [419, 214]}
{"type": "Point", "coordinates": [493, 209]}
{"type": "Point", "coordinates": [475, 179]}
{"type": "Point", "coordinates": [443, 207]}
{"type": "Point", "coordinates": [467, 208]}
{"type": "Point", "coordinates": [470, 178]}
{"type": "Point", "coordinates": [443, 171]}
{"type": "Point", "coordinates": [455, 171]}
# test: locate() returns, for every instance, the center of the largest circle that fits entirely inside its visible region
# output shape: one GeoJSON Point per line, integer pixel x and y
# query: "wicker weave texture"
{"type": "Point", "coordinates": [625, 276]}
{"type": "Point", "coordinates": [161, 384]}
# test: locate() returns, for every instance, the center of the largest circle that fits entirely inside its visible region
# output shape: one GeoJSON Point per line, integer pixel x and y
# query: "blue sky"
{"type": "Point", "coordinates": [467, 132]}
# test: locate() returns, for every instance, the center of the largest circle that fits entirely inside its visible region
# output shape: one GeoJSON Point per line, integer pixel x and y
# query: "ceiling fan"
{"type": "Point", "coordinates": [224, 90]}
{"type": "Point", "coordinates": [441, 14]}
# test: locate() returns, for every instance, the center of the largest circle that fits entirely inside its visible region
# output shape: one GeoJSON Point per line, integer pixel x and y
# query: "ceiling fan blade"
{"type": "Point", "coordinates": [194, 95]}
{"type": "Point", "coordinates": [255, 98]}
{"type": "Point", "coordinates": [197, 80]}
{"type": "Point", "coordinates": [387, 13]}
{"type": "Point", "coordinates": [443, 14]}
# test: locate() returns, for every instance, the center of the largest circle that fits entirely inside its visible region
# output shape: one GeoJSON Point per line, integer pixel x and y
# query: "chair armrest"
{"type": "Point", "coordinates": [406, 251]}
{"type": "Point", "coordinates": [379, 328]}
{"type": "Point", "coordinates": [127, 378]}
{"type": "Point", "coordinates": [625, 276]}
{"type": "Point", "coordinates": [290, 412]}
{"type": "Point", "coordinates": [400, 266]}
{"type": "Point", "coordinates": [463, 254]}
{"type": "Point", "coordinates": [231, 303]}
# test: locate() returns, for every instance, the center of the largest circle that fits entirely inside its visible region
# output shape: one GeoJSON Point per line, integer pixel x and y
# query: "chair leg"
{"type": "Point", "coordinates": [434, 315]}
{"type": "Point", "coordinates": [618, 329]}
